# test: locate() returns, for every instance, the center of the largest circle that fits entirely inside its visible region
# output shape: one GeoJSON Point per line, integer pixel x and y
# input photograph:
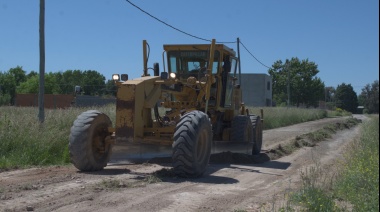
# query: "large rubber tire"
{"type": "Point", "coordinates": [192, 144]}
{"type": "Point", "coordinates": [241, 129]}
{"type": "Point", "coordinates": [257, 134]}
{"type": "Point", "coordinates": [87, 146]}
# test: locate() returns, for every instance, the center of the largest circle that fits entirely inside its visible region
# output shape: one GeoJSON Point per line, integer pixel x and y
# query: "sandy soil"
{"type": "Point", "coordinates": [124, 187]}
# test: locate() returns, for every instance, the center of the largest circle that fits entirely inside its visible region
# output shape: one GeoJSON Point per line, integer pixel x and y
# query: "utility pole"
{"type": "Point", "coordinates": [41, 92]}
{"type": "Point", "coordinates": [288, 72]}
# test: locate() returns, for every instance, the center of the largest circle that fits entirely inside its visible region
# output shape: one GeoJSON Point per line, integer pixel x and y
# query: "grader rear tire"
{"type": "Point", "coordinates": [87, 147]}
{"type": "Point", "coordinates": [257, 134]}
{"type": "Point", "coordinates": [241, 129]}
{"type": "Point", "coordinates": [192, 144]}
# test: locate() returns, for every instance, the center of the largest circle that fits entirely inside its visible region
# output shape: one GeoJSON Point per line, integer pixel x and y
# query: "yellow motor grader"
{"type": "Point", "coordinates": [193, 109]}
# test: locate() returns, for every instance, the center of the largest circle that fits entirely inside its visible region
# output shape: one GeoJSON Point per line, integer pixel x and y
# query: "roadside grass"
{"type": "Point", "coordinates": [355, 184]}
{"type": "Point", "coordinates": [359, 181]}
{"type": "Point", "coordinates": [24, 142]}
{"type": "Point", "coordinates": [338, 112]}
{"type": "Point", "coordinates": [275, 117]}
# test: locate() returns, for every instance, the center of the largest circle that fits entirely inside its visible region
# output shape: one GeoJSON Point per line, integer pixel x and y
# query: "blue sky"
{"type": "Point", "coordinates": [341, 36]}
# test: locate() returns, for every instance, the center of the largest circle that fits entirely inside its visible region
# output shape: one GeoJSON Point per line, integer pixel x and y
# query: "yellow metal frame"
{"type": "Point", "coordinates": [136, 98]}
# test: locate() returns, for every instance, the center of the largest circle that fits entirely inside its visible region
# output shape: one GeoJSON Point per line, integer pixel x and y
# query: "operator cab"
{"type": "Point", "coordinates": [190, 62]}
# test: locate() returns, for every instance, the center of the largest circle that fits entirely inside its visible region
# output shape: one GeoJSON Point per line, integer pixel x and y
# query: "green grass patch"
{"type": "Point", "coordinates": [24, 142]}
{"type": "Point", "coordinates": [355, 185]}
{"type": "Point", "coordinates": [359, 181]}
{"type": "Point", "coordinates": [275, 117]}
{"type": "Point", "coordinates": [338, 112]}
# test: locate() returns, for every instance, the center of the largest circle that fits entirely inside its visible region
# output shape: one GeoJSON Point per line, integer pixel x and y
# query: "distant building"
{"type": "Point", "coordinates": [360, 110]}
{"type": "Point", "coordinates": [257, 90]}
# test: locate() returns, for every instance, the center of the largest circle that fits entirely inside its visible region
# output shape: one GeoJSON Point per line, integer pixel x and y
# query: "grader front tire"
{"type": "Point", "coordinates": [192, 144]}
{"type": "Point", "coordinates": [88, 148]}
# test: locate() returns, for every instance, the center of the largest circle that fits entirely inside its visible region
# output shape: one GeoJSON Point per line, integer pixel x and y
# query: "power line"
{"type": "Point", "coordinates": [171, 25]}
{"type": "Point", "coordinates": [191, 35]}
{"type": "Point", "coordinates": [254, 56]}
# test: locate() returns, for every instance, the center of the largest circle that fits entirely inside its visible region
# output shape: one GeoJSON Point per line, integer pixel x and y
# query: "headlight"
{"type": "Point", "coordinates": [172, 75]}
{"type": "Point", "coordinates": [115, 77]}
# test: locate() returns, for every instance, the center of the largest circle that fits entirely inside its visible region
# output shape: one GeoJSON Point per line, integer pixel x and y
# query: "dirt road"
{"type": "Point", "coordinates": [131, 187]}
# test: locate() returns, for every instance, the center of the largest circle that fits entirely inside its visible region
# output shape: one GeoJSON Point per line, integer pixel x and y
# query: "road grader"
{"type": "Point", "coordinates": [191, 110]}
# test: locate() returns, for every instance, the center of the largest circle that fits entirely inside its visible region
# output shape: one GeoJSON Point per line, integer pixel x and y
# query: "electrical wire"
{"type": "Point", "coordinates": [163, 22]}
{"type": "Point", "coordinates": [254, 56]}
{"type": "Point", "coordinates": [191, 35]}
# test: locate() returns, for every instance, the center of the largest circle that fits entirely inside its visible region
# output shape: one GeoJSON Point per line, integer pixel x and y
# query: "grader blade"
{"type": "Point", "coordinates": [140, 153]}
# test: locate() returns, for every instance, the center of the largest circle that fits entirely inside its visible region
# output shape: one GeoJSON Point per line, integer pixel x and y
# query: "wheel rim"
{"type": "Point", "coordinates": [98, 142]}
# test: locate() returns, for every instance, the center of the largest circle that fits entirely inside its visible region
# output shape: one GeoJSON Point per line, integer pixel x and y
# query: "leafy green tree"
{"type": "Point", "coordinates": [93, 82]}
{"type": "Point", "coordinates": [68, 80]}
{"type": "Point", "coordinates": [32, 85]}
{"type": "Point", "coordinates": [18, 74]}
{"type": "Point", "coordinates": [29, 86]}
{"type": "Point", "coordinates": [8, 82]}
{"type": "Point", "coordinates": [305, 87]}
{"type": "Point", "coordinates": [346, 98]}
{"type": "Point", "coordinates": [369, 97]}
{"type": "Point", "coordinates": [31, 74]}
{"type": "Point", "coordinates": [7, 88]}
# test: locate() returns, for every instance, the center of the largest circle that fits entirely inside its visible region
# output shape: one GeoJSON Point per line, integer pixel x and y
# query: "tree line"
{"type": "Point", "coordinates": [295, 83]}
{"type": "Point", "coordinates": [15, 80]}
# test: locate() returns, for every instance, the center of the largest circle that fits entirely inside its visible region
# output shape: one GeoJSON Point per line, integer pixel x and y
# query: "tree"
{"type": "Point", "coordinates": [31, 74]}
{"type": "Point", "coordinates": [29, 86]}
{"type": "Point", "coordinates": [7, 88]}
{"type": "Point", "coordinates": [68, 80]}
{"type": "Point", "coordinates": [300, 76]}
{"type": "Point", "coordinates": [369, 97]}
{"type": "Point", "coordinates": [32, 85]}
{"type": "Point", "coordinates": [346, 98]}
{"type": "Point", "coordinates": [18, 74]}
{"type": "Point", "coordinates": [8, 82]}
{"type": "Point", "coordinates": [93, 82]}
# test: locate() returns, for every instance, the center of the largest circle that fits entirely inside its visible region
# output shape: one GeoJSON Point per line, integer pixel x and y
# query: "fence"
{"type": "Point", "coordinates": [53, 101]}
{"type": "Point", "coordinates": [50, 100]}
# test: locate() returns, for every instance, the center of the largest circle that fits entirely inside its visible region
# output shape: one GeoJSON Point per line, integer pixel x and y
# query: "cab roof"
{"type": "Point", "coordinates": [189, 47]}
